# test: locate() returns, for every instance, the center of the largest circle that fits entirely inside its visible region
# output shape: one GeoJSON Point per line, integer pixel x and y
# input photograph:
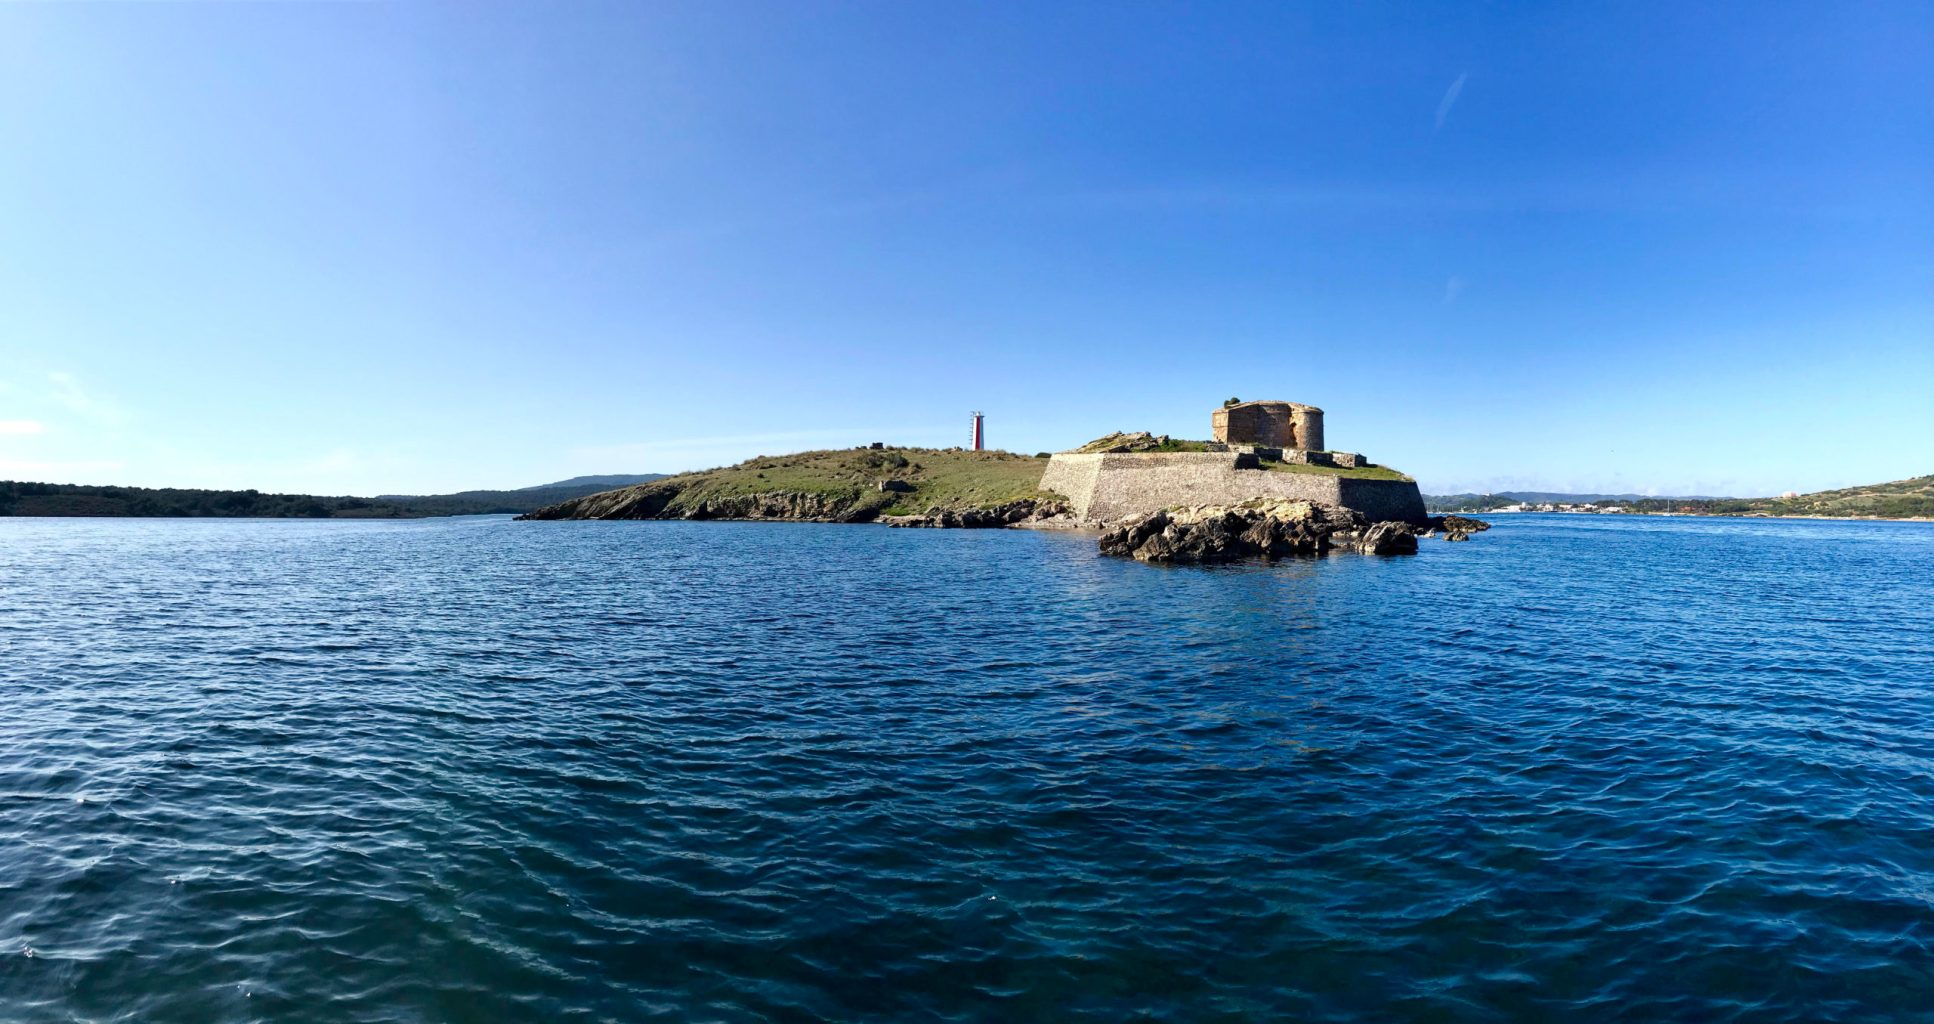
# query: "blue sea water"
{"type": "Point", "coordinates": [1580, 768]}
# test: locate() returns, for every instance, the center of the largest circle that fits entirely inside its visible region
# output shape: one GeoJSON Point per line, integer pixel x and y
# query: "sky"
{"type": "Point", "coordinates": [363, 248]}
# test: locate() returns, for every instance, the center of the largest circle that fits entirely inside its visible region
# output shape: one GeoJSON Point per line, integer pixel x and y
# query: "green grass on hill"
{"type": "Point", "coordinates": [1360, 473]}
{"type": "Point", "coordinates": [952, 478]}
{"type": "Point", "coordinates": [847, 478]}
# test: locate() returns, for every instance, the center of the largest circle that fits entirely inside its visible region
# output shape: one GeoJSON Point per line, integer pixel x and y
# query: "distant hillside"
{"type": "Point", "coordinates": [841, 484]}
{"type": "Point", "coordinates": [471, 503]}
{"type": "Point", "coordinates": [601, 482]}
{"type": "Point", "coordinates": [21, 498]}
{"type": "Point", "coordinates": [1898, 499]}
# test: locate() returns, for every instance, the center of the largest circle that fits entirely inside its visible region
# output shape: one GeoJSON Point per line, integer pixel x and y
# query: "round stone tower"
{"type": "Point", "coordinates": [1270, 425]}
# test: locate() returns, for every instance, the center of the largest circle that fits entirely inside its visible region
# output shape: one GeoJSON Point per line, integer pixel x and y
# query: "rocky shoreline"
{"type": "Point", "coordinates": [1266, 528]}
{"type": "Point", "coordinates": [656, 502]}
{"type": "Point", "coordinates": [804, 507]}
{"type": "Point", "coordinates": [1269, 529]}
{"type": "Point", "coordinates": [1030, 513]}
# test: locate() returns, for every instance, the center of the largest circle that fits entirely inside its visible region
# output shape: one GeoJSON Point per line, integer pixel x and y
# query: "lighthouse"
{"type": "Point", "coordinates": [980, 431]}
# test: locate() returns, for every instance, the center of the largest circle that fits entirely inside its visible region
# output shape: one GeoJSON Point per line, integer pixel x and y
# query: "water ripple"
{"type": "Point", "coordinates": [1584, 768]}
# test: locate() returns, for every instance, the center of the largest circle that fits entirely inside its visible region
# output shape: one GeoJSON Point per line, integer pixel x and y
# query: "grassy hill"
{"type": "Point", "coordinates": [840, 484]}
{"type": "Point", "coordinates": [1897, 499]}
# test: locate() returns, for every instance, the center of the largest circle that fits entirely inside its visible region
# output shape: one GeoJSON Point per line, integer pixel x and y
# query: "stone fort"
{"type": "Point", "coordinates": [1261, 450]}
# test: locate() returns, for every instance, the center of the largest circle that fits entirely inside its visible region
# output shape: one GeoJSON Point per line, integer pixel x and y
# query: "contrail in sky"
{"type": "Point", "coordinates": [1450, 99]}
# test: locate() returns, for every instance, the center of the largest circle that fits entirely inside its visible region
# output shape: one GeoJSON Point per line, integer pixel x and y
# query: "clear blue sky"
{"type": "Point", "coordinates": [381, 247]}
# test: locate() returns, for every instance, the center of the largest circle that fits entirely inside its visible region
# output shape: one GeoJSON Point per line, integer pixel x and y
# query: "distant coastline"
{"type": "Point", "coordinates": [1709, 515]}
{"type": "Point", "coordinates": [28, 498]}
{"type": "Point", "coordinates": [1909, 499]}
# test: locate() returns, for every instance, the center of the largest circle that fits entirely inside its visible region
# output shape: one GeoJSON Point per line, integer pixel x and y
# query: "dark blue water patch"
{"type": "Point", "coordinates": [1583, 767]}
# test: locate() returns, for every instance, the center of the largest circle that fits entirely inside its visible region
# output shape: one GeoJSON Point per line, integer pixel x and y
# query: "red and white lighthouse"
{"type": "Point", "coordinates": [980, 432]}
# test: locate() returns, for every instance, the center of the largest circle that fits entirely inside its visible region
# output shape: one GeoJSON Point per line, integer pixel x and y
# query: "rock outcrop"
{"type": "Point", "coordinates": [1013, 513]}
{"type": "Point", "coordinates": [1455, 527]}
{"type": "Point", "coordinates": [1122, 442]}
{"type": "Point", "coordinates": [1385, 538]}
{"type": "Point", "coordinates": [1265, 528]}
{"type": "Point", "coordinates": [793, 505]}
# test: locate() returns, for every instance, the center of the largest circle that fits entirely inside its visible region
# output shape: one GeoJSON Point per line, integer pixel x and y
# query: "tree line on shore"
{"type": "Point", "coordinates": [22, 498]}
{"type": "Point", "coordinates": [25, 498]}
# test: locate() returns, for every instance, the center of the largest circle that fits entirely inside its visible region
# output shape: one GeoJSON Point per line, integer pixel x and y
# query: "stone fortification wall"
{"type": "Point", "coordinates": [1102, 488]}
{"type": "Point", "coordinates": [1072, 476]}
{"type": "Point", "coordinates": [1383, 500]}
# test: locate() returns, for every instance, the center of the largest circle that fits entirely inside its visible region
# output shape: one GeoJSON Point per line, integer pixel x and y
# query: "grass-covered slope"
{"type": "Point", "coordinates": [1897, 499]}
{"type": "Point", "coordinates": [841, 484]}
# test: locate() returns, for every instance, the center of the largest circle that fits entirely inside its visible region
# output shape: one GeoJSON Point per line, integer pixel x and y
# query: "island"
{"type": "Point", "coordinates": [1263, 486]}
{"type": "Point", "coordinates": [1259, 450]}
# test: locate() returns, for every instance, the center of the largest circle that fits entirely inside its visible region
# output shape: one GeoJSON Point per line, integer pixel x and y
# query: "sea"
{"type": "Point", "coordinates": [1579, 768]}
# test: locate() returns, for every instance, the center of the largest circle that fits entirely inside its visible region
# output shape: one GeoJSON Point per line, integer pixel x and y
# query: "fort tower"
{"type": "Point", "coordinates": [1270, 425]}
